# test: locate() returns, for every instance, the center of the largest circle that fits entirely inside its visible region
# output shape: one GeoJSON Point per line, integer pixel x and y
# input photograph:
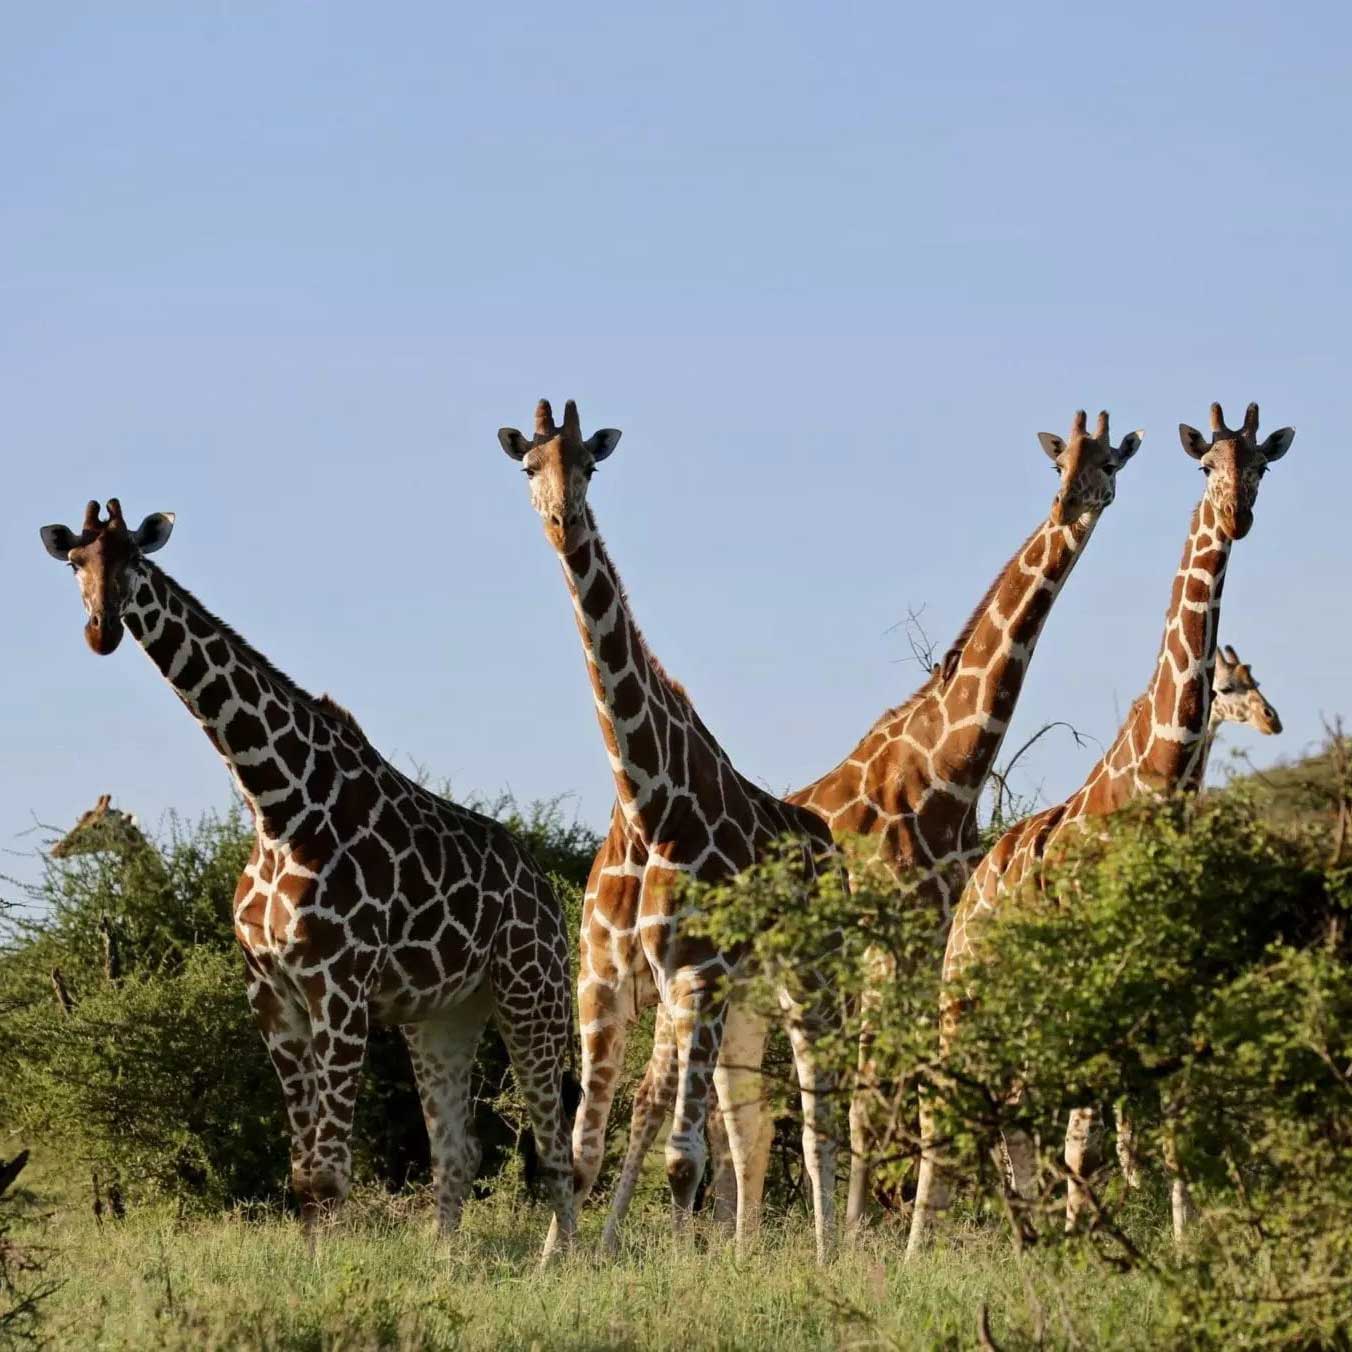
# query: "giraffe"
{"type": "Point", "coordinates": [102, 828]}
{"type": "Point", "coordinates": [912, 784]}
{"type": "Point", "coordinates": [1161, 747]}
{"type": "Point", "coordinates": [1235, 698]}
{"type": "Point", "coordinates": [366, 895]}
{"type": "Point", "coordinates": [684, 811]}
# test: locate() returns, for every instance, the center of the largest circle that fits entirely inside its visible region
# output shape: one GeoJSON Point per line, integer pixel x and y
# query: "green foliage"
{"type": "Point", "coordinates": [1187, 957]}
{"type": "Point", "coordinates": [161, 1080]}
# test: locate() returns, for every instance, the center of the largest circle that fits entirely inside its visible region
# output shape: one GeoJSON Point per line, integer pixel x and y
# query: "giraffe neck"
{"type": "Point", "coordinates": [992, 654]}
{"type": "Point", "coordinates": [1213, 726]}
{"type": "Point", "coordinates": [652, 735]}
{"type": "Point", "coordinates": [273, 736]}
{"type": "Point", "coordinates": [1163, 745]}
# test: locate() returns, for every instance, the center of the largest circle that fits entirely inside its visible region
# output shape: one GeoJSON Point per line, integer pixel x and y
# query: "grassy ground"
{"type": "Point", "coordinates": [380, 1279]}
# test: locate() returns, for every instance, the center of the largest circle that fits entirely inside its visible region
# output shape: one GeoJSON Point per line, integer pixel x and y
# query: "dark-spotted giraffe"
{"type": "Point", "coordinates": [1161, 747]}
{"type": "Point", "coordinates": [366, 894]}
{"type": "Point", "coordinates": [913, 784]}
{"type": "Point", "coordinates": [686, 812]}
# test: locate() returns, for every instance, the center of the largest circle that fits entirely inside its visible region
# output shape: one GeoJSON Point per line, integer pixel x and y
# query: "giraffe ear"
{"type": "Point", "coordinates": [1131, 443]}
{"type": "Point", "coordinates": [1278, 444]}
{"type": "Point", "coordinates": [153, 533]}
{"type": "Point", "coordinates": [950, 664]}
{"type": "Point", "coordinates": [60, 540]}
{"type": "Point", "coordinates": [513, 442]}
{"type": "Point", "coordinates": [1193, 441]}
{"type": "Point", "coordinates": [1052, 444]}
{"type": "Point", "coordinates": [603, 442]}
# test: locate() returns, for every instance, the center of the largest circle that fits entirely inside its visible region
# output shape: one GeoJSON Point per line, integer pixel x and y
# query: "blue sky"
{"type": "Point", "coordinates": [285, 269]}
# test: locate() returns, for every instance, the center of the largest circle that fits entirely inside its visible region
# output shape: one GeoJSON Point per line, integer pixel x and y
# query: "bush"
{"type": "Point", "coordinates": [163, 1081]}
{"type": "Point", "coordinates": [1189, 958]}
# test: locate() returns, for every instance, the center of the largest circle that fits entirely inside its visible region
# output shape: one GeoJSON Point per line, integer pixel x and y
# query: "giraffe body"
{"type": "Point", "coordinates": [912, 784]}
{"type": "Point", "coordinates": [1162, 745]}
{"type": "Point", "coordinates": [683, 811]}
{"type": "Point", "coordinates": [366, 895]}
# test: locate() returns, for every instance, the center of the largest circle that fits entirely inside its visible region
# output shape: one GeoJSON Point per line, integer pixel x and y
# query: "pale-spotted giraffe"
{"type": "Point", "coordinates": [1235, 698]}
{"type": "Point", "coordinates": [367, 896]}
{"type": "Point", "coordinates": [912, 784]}
{"type": "Point", "coordinates": [103, 828]}
{"type": "Point", "coordinates": [1161, 748]}
{"type": "Point", "coordinates": [687, 813]}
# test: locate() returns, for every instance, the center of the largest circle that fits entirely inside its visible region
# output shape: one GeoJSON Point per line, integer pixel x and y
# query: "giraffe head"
{"type": "Point", "coordinates": [1234, 462]}
{"type": "Point", "coordinates": [1235, 697]}
{"type": "Point", "coordinates": [559, 465]}
{"type": "Point", "coordinates": [103, 827]}
{"type": "Point", "coordinates": [1087, 467]}
{"type": "Point", "coordinates": [104, 556]}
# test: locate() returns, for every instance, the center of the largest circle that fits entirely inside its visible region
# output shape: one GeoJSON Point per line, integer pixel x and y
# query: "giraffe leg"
{"type": "Point", "coordinates": [1021, 1167]}
{"type": "Point", "coordinates": [339, 1021]}
{"type": "Point", "coordinates": [697, 1023]}
{"type": "Point", "coordinates": [1077, 1151]}
{"type": "Point", "coordinates": [747, 1126]}
{"type": "Point", "coordinates": [1181, 1208]}
{"type": "Point", "coordinates": [532, 1003]}
{"type": "Point", "coordinates": [863, 1131]}
{"type": "Point", "coordinates": [933, 1189]}
{"type": "Point", "coordinates": [816, 1088]}
{"type": "Point", "coordinates": [862, 1142]}
{"type": "Point", "coordinates": [652, 1101]}
{"type": "Point", "coordinates": [442, 1050]}
{"type": "Point", "coordinates": [1127, 1155]}
{"type": "Point", "coordinates": [284, 1024]}
{"type": "Point", "coordinates": [605, 1013]}
{"type": "Point", "coordinates": [722, 1176]}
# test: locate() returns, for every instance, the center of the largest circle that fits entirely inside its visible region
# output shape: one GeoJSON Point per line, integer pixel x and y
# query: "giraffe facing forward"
{"type": "Point", "coordinates": [687, 813]}
{"type": "Point", "coordinates": [1161, 747]}
{"type": "Point", "coordinates": [366, 896]}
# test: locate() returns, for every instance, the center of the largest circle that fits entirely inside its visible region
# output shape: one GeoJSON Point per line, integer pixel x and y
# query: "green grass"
{"type": "Point", "coordinates": [380, 1279]}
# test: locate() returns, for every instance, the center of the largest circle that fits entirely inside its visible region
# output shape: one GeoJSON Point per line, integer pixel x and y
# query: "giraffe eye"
{"type": "Point", "coordinates": [527, 471]}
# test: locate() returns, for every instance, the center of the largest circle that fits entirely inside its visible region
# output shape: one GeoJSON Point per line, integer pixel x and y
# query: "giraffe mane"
{"type": "Point", "coordinates": [324, 705]}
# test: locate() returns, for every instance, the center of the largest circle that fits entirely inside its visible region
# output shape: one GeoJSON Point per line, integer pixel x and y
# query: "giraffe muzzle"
{"type": "Point", "coordinates": [103, 635]}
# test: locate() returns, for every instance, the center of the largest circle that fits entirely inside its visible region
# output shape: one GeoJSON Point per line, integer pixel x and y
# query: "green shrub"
{"type": "Point", "coordinates": [162, 1081]}
{"type": "Point", "coordinates": [1188, 957]}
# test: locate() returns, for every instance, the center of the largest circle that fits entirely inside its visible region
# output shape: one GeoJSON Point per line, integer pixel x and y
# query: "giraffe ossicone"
{"type": "Point", "coordinates": [683, 810]}
{"type": "Point", "coordinates": [366, 895]}
{"type": "Point", "coordinates": [1161, 747]}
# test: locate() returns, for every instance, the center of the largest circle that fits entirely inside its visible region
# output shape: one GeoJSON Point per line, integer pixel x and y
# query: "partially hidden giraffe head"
{"type": "Point", "coordinates": [1234, 462]}
{"type": "Point", "coordinates": [1235, 697]}
{"type": "Point", "coordinates": [103, 556]}
{"type": "Point", "coordinates": [559, 465]}
{"type": "Point", "coordinates": [103, 827]}
{"type": "Point", "coordinates": [1087, 467]}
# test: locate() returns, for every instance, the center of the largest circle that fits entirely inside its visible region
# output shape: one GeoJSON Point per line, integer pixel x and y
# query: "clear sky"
{"type": "Point", "coordinates": [284, 269]}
